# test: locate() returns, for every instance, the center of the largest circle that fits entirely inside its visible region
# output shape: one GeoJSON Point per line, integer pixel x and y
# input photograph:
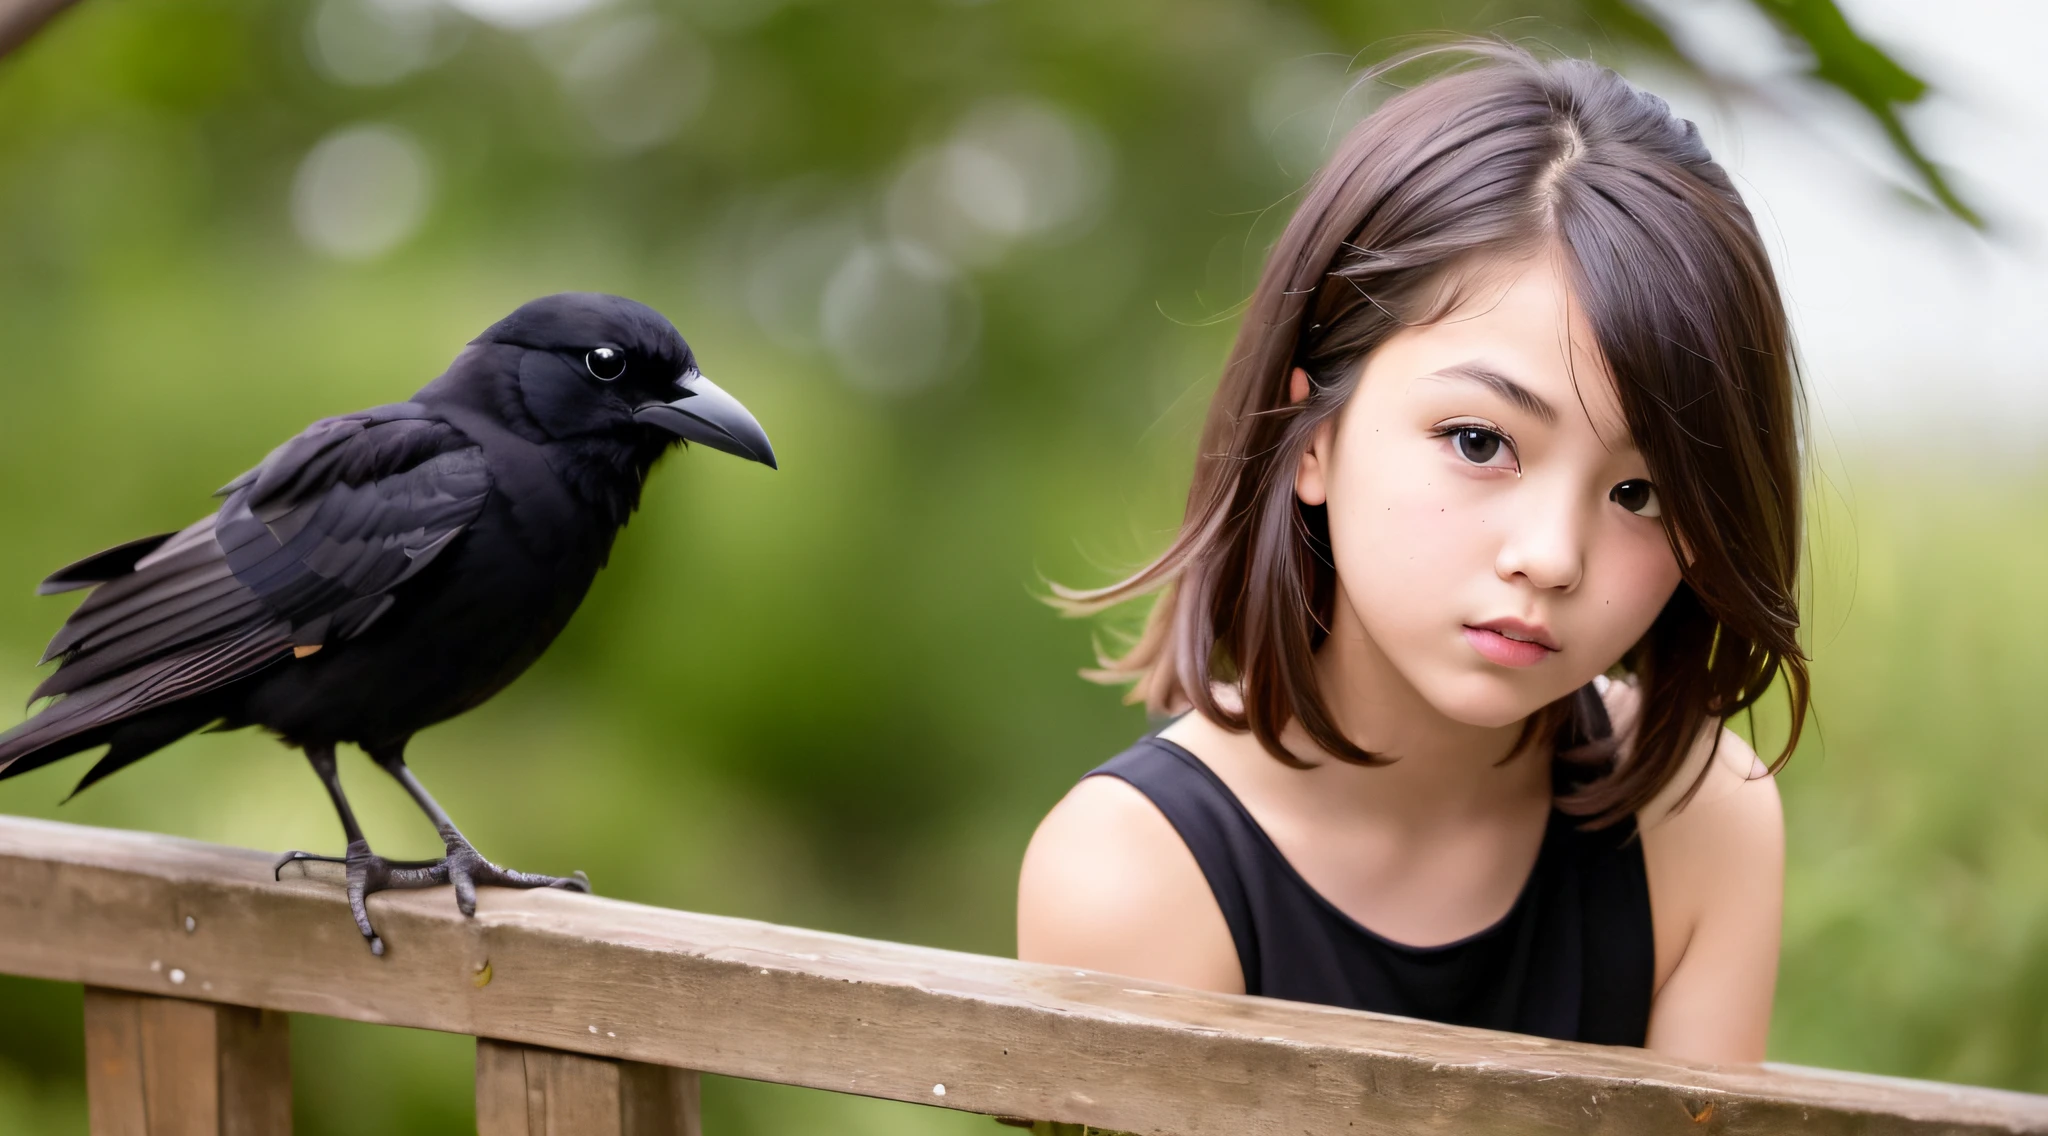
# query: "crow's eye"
{"type": "Point", "coordinates": [605, 363]}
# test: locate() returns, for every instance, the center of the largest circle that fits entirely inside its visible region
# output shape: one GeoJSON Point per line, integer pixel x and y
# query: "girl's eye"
{"type": "Point", "coordinates": [1480, 446]}
{"type": "Point", "coordinates": [1638, 497]}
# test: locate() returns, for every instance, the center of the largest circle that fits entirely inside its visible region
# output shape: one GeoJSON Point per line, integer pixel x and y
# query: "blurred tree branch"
{"type": "Point", "coordinates": [20, 20]}
{"type": "Point", "coordinates": [1839, 57]}
{"type": "Point", "coordinates": [1860, 69]}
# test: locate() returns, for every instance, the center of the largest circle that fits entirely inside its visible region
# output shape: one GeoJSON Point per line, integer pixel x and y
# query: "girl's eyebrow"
{"type": "Point", "coordinates": [1515, 393]}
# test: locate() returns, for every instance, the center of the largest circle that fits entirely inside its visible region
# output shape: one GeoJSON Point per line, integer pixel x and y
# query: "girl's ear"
{"type": "Point", "coordinates": [1309, 482]}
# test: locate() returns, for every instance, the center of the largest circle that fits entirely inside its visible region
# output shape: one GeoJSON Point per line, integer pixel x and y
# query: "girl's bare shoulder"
{"type": "Point", "coordinates": [1737, 784]}
{"type": "Point", "coordinates": [1107, 884]}
{"type": "Point", "coordinates": [1716, 866]}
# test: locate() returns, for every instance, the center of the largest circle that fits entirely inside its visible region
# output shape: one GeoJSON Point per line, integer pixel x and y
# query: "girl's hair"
{"type": "Point", "coordinates": [1499, 160]}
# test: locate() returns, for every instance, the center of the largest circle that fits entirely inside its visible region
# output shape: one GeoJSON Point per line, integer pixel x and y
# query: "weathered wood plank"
{"type": "Point", "coordinates": [747, 999]}
{"type": "Point", "coordinates": [522, 1090]}
{"type": "Point", "coordinates": [500, 1089]}
{"type": "Point", "coordinates": [173, 1067]}
{"type": "Point", "coordinates": [660, 1100]}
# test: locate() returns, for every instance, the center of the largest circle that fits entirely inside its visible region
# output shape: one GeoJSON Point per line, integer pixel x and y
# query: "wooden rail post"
{"type": "Point", "coordinates": [525, 1090]}
{"type": "Point", "coordinates": [169, 1067]}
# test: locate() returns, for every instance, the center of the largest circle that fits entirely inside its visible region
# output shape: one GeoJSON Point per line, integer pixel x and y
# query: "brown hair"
{"type": "Point", "coordinates": [1500, 159]}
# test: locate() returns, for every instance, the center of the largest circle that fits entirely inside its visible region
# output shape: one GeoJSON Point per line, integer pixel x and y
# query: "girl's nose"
{"type": "Point", "coordinates": [1546, 540]}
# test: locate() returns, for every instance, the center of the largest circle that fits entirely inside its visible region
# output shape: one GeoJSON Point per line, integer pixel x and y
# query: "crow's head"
{"type": "Point", "coordinates": [589, 363]}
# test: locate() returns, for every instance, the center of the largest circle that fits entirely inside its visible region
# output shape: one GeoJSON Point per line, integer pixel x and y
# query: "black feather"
{"type": "Point", "coordinates": [101, 566]}
{"type": "Point", "coordinates": [349, 509]}
{"type": "Point", "coordinates": [380, 571]}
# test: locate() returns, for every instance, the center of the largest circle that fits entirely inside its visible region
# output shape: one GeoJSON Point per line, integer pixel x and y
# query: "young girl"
{"type": "Point", "coordinates": [1495, 521]}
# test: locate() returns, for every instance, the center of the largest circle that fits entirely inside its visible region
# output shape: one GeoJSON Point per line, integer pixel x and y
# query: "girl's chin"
{"type": "Point", "coordinates": [1490, 701]}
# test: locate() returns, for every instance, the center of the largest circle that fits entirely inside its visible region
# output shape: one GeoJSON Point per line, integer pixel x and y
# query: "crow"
{"type": "Point", "coordinates": [387, 570]}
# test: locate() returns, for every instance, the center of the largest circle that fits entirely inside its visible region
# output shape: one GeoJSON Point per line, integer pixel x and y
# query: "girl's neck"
{"type": "Point", "coordinates": [1440, 769]}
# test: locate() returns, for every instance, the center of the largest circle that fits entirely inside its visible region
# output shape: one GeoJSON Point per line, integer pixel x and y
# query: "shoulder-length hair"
{"type": "Point", "coordinates": [1500, 159]}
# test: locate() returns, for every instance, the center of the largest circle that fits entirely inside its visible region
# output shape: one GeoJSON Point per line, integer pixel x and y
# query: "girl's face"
{"type": "Point", "coordinates": [1494, 529]}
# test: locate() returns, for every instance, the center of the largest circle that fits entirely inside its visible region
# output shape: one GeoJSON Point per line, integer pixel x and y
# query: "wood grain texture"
{"type": "Point", "coordinates": [160, 1066]}
{"type": "Point", "coordinates": [660, 1100]}
{"type": "Point", "coordinates": [522, 1090]}
{"type": "Point", "coordinates": [612, 979]}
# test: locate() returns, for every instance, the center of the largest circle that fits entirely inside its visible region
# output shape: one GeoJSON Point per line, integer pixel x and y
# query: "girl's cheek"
{"type": "Point", "coordinates": [1415, 500]}
{"type": "Point", "coordinates": [1405, 536]}
{"type": "Point", "coordinates": [1635, 582]}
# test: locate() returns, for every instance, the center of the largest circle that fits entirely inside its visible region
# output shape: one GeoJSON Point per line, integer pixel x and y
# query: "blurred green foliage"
{"type": "Point", "coordinates": [972, 264]}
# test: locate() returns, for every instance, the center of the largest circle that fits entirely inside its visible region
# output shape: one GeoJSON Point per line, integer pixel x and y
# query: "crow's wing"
{"type": "Point", "coordinates": [100, 567]}
{"type": "Point", "coordinates": [305, 550]}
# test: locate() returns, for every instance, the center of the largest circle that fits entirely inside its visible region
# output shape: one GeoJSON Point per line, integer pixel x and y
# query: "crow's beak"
{"type": "Point", "coordinates": [711, 417]}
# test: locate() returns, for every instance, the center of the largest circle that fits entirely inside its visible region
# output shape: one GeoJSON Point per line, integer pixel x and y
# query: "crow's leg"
{"type": "Point", "coordinates": [367, 873]}
{"type": "Point", "coordinates": [464, 867]}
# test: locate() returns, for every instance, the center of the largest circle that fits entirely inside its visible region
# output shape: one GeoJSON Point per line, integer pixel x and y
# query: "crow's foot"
{"type": "Point", "coordinates": [369, 874]}
{"type": "Point", "coordinates": [277, 871]}
{"type": "Point", "coordinates": [465, 868]}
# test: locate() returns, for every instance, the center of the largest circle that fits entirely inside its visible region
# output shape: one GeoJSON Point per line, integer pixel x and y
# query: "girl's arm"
{"type": "Point", "coordinates": [1108, 885]}
{"type": "Point", "coordinates": [1717, 875]}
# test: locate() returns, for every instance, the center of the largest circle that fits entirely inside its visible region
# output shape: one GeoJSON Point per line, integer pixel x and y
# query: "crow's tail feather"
{"type": "Point", "coordinates": [23, 749]}
{"type": "Point", "coordinates": [137, 738]}
{"type": "Point", "coordinates": [83, 721]}
{"type": "Point", "coordinates": [102, 566]}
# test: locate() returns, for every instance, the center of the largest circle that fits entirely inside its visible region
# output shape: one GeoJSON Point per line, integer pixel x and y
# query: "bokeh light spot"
{"type": "Point", "coordinates": [1013, 169]}
{"type": "Point", "coordinates": [372, 43]}
{"type": "Point", "coordinates": [523, 15]}
{"type": "Point", "coordinates": [638, 81]}
{"type": "Point", "coordinates": [895, 319]}
{"type": "Point", "coordinates": [361, 192]}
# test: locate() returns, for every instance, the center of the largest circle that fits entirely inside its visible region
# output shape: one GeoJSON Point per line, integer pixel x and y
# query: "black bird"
{"type": "Point", "coordinates": [387, 570]}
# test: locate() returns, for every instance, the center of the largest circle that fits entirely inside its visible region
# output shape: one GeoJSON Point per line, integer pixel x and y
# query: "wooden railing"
{"type": "Point", "coordinates": [594, 1016]}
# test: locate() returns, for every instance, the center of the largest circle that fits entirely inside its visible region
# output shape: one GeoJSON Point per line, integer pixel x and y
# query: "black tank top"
{"type": "Point", "coordinates": [1572, 959]}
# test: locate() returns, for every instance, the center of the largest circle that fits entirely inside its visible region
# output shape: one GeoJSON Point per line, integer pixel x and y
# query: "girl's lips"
{"type": "Point", "coordinates": [1503, 651]}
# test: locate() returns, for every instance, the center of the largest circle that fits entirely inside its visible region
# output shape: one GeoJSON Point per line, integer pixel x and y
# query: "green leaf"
{"type": "Point", "coordinates": [1860, 69]}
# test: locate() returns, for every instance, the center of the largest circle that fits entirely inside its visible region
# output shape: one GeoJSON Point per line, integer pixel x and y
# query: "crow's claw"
{"type": "Point", "coordinates": [466, 869]}
{"type": "Point", "coordinates": [369, 874]}
{"type": "Point", "coordinates": [296, 857]}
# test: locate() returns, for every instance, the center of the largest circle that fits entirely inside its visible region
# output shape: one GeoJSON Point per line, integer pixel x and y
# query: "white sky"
{"type": "Point", "coordinates": [1912, 325]}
